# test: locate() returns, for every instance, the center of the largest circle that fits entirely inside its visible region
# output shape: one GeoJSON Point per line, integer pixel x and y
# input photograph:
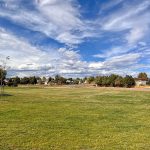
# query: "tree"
{"type": "Point", "coordinates": [14, 81]}
{"type": "Point", "coordinates": [143, 76]}
{"type": "Point", "coordinates": [44, 79]}
{"type": "Point", "coordinates": [112, 79]}
{"type": "Point", "coordinates": [119, 81]}
{"type": "Point", "coordinates": [2, 75]}
{"type": "Point", "coordinates": [60, 80]}
{"type": "Point", "coordinates": [50, 79]}
{"type": "Point", "coordinates": [24, 80]}
{"type": "Point", "coordinates": [77, 81]}
{"type": "Point", "coordinates": [57, 78]}
{"type": "Point", "coordinates": [105, 81]}
{"type": "Point", "coordinates": [98, 80]}
{"type": "Point", "coordinates": [17, 80]}
{"type": "Point", "coordinates": [33, 80]}
{"type": "Point", "coordinates": [148, 82]}
{"type": "Point", "coordinates": [90, 79]}
{"type": "Point", "coordinates": [10, 82]}
{"type": "Point", "coordinates": [84, 79]}
{"type": "Point", "coordinates": [129, 81]}
{"type": "Point", "coordinates": [39, 80]}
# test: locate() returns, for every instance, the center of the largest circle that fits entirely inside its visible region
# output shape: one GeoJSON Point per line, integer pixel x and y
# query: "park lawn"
{"type": "Point", "coordinates": [74, 119]}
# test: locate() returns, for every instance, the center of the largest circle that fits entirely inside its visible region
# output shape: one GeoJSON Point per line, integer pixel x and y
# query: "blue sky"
{"type": "Point", "coordinates": [75, 37]}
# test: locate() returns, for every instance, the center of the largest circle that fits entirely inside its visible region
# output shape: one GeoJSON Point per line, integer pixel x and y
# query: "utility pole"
{"type": "Point", "coordinates": [3, 69]}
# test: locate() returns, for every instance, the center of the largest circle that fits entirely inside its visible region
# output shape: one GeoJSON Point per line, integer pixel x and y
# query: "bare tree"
{"type": "Point", "coordinates": [3, 72]}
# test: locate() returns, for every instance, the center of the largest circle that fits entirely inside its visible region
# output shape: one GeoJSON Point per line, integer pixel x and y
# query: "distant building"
{"type": "Point", "coordinates": [80, 82]}
{"type": "Point", "coordinates": [46, 82]}
{"type": "Point", "coordinates": [86, 82]}
{"type": "Point", "coordinates": [140, 82]}
{"type": "Point", "coordinates": [6, 80]}
{"type": "Point", "coordinates": [69, 81]}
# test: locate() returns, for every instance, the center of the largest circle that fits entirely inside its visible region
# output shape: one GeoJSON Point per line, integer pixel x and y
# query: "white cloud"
{"type": "Point", "coordinates": [63, 21]}
{"type": "Point", "coordinates": [122, 62]}
{"type": "Point", "coordinates": [115, 51]}
{"type": "Point", "coordinates": [133, 18]}
{"type": "Point", "coordinates": [22, 53]}
{"type": "Point", "coordinates": [136, 34]}
{"type": "Point", "coordinates": [110, 4]}
{"type": "Point", "coordinates": [27, 59]}
{"type": "Point", "coordinates": [60, 20]}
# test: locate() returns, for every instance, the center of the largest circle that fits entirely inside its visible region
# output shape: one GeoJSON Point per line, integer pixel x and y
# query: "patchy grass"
{"type": "Point", "coordinates": [74, 119]}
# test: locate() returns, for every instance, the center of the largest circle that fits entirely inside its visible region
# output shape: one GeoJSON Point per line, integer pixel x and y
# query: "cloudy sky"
{"type": "Point", "coordinates": [75, 37]}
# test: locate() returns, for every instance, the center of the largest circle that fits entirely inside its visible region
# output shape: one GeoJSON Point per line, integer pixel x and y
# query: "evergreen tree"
{"type": "Point", "coordinates": [143, 76]}
{"type": "Point", "coordinates": [129, 81]}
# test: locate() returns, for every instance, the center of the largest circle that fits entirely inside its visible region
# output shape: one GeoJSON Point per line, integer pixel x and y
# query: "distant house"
{"type": "Point", "coordinates": [80, 82]}
{"type": "Point", "coordinates": [46, 82]}
{"type": "Point", "coordinates": [140, 82]}
{"type": "Point", "coordinates": [69, 81]}
{"type": "Point", "coordinates": [6, 81]}
{"type": "Point", "coordinates": [86, 82]}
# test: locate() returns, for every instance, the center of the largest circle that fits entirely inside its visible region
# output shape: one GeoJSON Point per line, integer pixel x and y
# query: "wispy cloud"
{"type": "Point", "coordinates": [26, 57]}
{"type": "Point", "coordinates": [125, 29]}
{"type": "Point", "coordinates": [60, 20]}
{"type": "Point", "coordinates": [22, 53]}
{"type": "Point", "coordinates": [132, 18]}
{"type": "Point", "coordinates": [117, 62]}
{"type": "Point", "coordinates": [110, 4]}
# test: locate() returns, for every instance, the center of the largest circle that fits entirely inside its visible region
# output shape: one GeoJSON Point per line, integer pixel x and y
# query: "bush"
{"type": "Point", "coordinates": [119, 82]}
{"type": "Point", "coordinates": [98, 80]}
{"type": "Point", "coordinates": [115, 81]}
{"type": "Point", "coordinates": [129, 81]}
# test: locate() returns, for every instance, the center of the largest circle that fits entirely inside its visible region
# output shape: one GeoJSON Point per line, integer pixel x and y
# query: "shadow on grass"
{"type": "Point", "coordinates": [3, 95]}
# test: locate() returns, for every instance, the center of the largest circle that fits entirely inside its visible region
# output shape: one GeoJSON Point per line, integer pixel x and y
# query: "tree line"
{"type": "Point", "coordinates": [107, 81]}
{"type": "Point", "coordinates": [112, 80]}
{"type": "Point", "coordinates": [57, 80]}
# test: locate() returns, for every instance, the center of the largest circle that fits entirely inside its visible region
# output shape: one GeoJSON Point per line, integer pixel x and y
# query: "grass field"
{"type": "Point", "coordinates": [74, 119]}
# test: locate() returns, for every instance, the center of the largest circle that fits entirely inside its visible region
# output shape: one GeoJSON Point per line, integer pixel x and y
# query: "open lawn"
{"type": "Point", "coordinates": [74, 119]}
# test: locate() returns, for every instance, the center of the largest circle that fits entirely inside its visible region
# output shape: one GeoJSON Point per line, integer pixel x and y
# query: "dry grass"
{"type": "Point", "coordinates": [74, 119]}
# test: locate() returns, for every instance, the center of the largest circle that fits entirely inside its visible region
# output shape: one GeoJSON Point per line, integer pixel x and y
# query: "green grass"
{"type": "Point", "coordinates": [74, 119]}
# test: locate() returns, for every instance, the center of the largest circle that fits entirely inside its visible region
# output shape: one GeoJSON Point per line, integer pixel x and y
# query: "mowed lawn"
{"type": "Point", "coordinates": [74, 119]}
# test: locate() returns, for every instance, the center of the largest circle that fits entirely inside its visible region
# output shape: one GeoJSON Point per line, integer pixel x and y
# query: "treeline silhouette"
{"type": "Point", "coordinates": [112, 80]}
